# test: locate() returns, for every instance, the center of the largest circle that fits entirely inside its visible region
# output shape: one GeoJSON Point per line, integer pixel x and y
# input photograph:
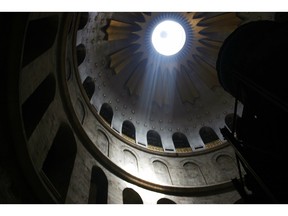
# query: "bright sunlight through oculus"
{"type": "Point", "coordinates": [168, 37]}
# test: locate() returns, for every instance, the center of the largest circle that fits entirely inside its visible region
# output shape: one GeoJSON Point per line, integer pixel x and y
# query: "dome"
{"type": "Point", "coordinates": [96, 108]}
{"type": "Point", "coordinates": [167, 94]}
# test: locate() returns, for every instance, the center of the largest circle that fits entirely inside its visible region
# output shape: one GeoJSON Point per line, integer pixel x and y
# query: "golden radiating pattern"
{"type": "Point", "coordinates": [147, 70]}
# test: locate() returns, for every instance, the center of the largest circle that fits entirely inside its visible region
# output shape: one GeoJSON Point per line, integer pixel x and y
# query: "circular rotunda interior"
{"type": "Point", "coordinates": [126, 107]}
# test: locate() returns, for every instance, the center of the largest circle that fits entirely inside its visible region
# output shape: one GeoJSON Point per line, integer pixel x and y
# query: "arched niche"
{"type": "Point", "coordinates": [225, 162]}
{"type": "Point", "coordinates": [226, 166]}
{"type": "Point", "coordinates": [162, 173]}
{"type": "Point", "coordinates": [130, 196]}
{"type": "Point", "coordinates": [59, 163]}
{"type": "Point", "coordinates": [193, 175]}
{"type": "Point", "coordinates": [130, 161]}
{"type": "Point", "coordinates": [98, 192]}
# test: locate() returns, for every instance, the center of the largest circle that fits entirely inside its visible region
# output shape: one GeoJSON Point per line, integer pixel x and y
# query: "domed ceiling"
{"type": "Point", "coordinates": [166, 94]}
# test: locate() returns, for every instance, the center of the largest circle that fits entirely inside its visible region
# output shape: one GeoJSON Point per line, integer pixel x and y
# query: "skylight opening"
{"type": "Point", "coordinates": [168, 37]}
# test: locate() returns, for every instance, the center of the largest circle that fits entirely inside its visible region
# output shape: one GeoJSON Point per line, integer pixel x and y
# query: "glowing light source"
{"type": "Point", "coordinates": [168, 37]}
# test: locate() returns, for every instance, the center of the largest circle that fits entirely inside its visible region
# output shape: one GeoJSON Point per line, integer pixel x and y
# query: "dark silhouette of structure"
{"type": "Point", "coordinates": [251, 67]}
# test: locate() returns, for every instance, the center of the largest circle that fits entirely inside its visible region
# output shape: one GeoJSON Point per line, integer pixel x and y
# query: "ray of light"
{"type": "Point", "coordinates": [186, 89]}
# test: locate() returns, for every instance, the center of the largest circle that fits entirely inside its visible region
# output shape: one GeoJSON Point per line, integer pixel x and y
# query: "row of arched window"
{"type": "Point", "coordinates": [207, 134]}
{"type": "Point", "coordinates": [180, 141]}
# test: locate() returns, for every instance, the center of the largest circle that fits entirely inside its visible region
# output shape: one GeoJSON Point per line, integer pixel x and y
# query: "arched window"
{"type": "Point", "coordinates": [98, 187]}
{"type": "Point", "coordinates": [38, 102]}
{"type": "Point", "coordinates": [180, 140]}
{"type": "Point", "coordinates": [81, 53]}
{"type": "Point", "coordinates": [107, 113]}
{"type": "Point", "coordinates": [41, 34]}
{"type": "Point", "coordinates": [89, 87]}
{"type": "Point", "coordinates": [208, 135]}
{"type": "Point", "coordinates": [59, 163]}
{"type": "Point", "coordinates": [154, 139]}
{"type": "Point", "coordinates": [128, 130]}
{"type": "Point", "coordinates": [130, 196]}
{"type": "Point", "coordinates": [165, 201]}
